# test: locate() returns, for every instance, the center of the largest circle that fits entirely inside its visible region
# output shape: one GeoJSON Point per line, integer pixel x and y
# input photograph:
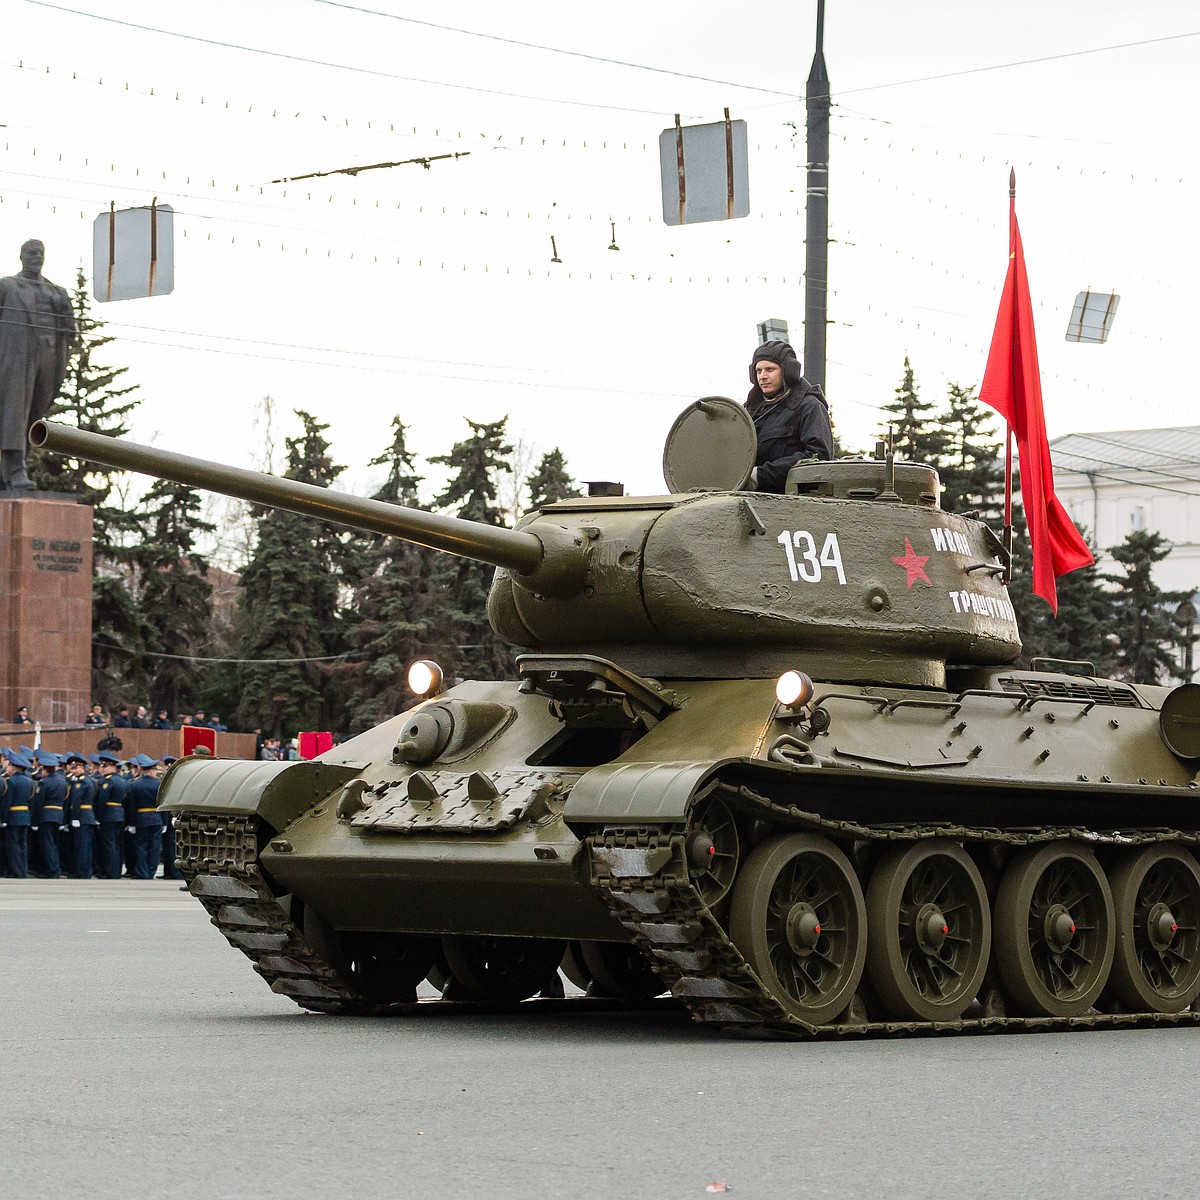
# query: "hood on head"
{"type": "Point", "coordinates": [781, 353]}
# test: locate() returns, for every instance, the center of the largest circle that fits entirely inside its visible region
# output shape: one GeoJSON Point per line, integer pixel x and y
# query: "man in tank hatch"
{"type": "Point", "coordinates": [791, 416]}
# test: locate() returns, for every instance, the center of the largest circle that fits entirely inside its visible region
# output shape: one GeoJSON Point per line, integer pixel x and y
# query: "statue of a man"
{"type": "Point", "coordinates": [37, 330]}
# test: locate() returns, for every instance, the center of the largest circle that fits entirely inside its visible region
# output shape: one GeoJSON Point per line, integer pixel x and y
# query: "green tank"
{"type": "Point", "coordinates": [770, 754]}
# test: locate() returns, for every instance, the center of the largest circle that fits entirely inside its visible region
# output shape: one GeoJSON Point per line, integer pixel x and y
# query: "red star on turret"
{"type": "Point", "coordinates": [913, 564]}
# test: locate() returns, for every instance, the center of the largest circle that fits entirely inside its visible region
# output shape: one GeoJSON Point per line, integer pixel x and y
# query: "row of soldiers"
{"type": "Point", "coordinates": [83, 815]}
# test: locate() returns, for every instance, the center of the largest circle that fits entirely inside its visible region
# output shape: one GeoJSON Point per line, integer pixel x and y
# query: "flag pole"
{"type": "Point", "coordinates": [1008, 521]}
{"type": "Point", "coordinates": [1008, 443]}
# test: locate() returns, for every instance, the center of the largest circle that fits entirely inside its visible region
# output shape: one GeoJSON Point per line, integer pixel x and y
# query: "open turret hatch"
{"type": "Point", "coordinates": [711, 447]}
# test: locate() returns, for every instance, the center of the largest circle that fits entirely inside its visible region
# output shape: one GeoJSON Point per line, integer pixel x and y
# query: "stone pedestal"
{"type": "Point", "coordinates": [45, 607]}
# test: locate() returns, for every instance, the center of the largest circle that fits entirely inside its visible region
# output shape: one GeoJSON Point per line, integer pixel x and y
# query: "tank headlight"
{"type": "Point", "coordinates": [793, 689]}
{"type": "Point", "coordinates": [425, 677]}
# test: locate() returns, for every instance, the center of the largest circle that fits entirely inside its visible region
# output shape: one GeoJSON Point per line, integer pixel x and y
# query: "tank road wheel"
{"type": "Point", "coordinates": [1054, 934]}
{"type": "Point", "coordinates": [930, 930]}
{"type": "Point", "coordinates": [439, 973]}
{"type": "Point", "coordinates": [388, 965]}
{"type": "Point", "coordinates": [713, 847]}
{"type": "Point", "coordinates": [384, 968]}
{"type": "Point", "coordinates": [620, 969]}
{"type": "Point", "coordinates": [1156, 898]}
{"type": "Point", "coordinates": [502, 969]}
{"type": "Point", "coordinates": [799, 918]}
{"type": "Point", "coordinates": [574, 968]}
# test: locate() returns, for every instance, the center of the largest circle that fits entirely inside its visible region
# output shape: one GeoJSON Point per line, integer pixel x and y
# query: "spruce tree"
{"type": "Point", "coordinates": [971, 466]}
{"type": "Point", "coordinates": [1083, 629]}
{"type": "Point", "coordinates": [289, 605]}
{"type": "Point", "coordinates": [471, 494]}
{"type": "Point", "coordinates": [174, 595]}
{"type": "Point", "coordinates": [1143, 623]}
{"type": "Point", "coordinates": [550, 482]}
{"type": "Point", "coordinates": [916, 435]}
{"type": "Point", "coordinates": [397, 608]}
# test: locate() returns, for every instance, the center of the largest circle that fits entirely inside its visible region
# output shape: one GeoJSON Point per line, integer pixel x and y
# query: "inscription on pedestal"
{"type": "Point", "coordinates": [58, 555]}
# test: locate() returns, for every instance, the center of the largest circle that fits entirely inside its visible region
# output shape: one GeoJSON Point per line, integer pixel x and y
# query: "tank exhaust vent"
{"type": "Point", "coordinates": [1098, 693]}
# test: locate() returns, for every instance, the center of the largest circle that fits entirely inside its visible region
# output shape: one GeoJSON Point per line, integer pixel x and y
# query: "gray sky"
{"type": "Point", "coordinates": [430, 293]}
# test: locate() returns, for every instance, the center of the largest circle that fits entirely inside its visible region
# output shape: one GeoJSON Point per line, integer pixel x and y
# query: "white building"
{"type": "Point", "coordinates": [1115, 482]}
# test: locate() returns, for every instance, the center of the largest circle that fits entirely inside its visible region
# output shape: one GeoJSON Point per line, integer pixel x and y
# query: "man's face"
{"type": "Point", "coordinates": [33, 255]}
{"type": "Point", "coordinates": [107, 768]}
{"type": "Point", "coordinates": [770, 377]}
{"type": "Point", "coordinates": [75, 769]}
{"type": "Point", "coordinates": [141, 712]}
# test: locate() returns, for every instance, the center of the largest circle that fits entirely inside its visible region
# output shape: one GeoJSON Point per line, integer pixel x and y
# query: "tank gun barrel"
{"type": "Point", "coordinates": [518, 551]}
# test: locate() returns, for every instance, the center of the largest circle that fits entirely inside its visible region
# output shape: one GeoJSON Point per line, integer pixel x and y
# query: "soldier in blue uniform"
{"type": "Point", "coordinates": [14, 811]}
{"type": "Point", "coordinates": [110, 812]}
{"type": "Point", "coordinates": [141, 811]}
{"type": "Point", "coordinates": [131, 772]}
{"type": "Point", "coordinates": [49, 813]}
{"type": "Point", "coordinates": [170, 871]}
{"type": "Point", "coordinates": [81, 814]}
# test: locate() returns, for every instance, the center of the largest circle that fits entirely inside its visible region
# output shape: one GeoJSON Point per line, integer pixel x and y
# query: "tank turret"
{"type": "Point", "coordinates": [854, 574]}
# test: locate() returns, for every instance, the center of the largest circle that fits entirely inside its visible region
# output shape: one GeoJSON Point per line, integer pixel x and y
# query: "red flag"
{"type": "Point", "coordinates": [1012, 386]}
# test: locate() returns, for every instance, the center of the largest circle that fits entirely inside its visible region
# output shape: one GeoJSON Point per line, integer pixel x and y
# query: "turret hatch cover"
{"type": "Point", "coordinates": [1179, 721]}
{"type": "Point", "coordinates": [711, 447]}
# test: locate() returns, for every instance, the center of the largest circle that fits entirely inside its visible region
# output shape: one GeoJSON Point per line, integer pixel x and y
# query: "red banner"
{"type": "Point", "coordinates": [1012, 386]}
{"type": "Point", "coordinates": [191, 736]}
{"type": "Point", "coordinates": [312, 744]}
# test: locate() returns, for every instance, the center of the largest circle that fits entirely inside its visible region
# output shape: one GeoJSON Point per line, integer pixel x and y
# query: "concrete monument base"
{"type": "Point", "coordinates": [45, 606]}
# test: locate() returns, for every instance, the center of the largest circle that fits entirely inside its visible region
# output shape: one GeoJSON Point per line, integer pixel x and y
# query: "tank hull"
{"type": "Point", "coordinates": [507, 841]}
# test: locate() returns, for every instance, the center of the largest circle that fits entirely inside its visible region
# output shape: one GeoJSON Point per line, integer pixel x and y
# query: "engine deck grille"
{"type": "Point", "coordinates": [1101, 693]}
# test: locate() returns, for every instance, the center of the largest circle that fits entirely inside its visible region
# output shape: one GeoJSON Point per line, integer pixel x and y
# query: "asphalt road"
{"type": "Point", "coordinates": [143, 1058]}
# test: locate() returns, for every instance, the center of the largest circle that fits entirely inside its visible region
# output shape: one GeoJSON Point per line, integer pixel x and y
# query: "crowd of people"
{"type": "Point", "coordinates": [140, 718]}
{"type": "Point", "coordinates": [83, 816]}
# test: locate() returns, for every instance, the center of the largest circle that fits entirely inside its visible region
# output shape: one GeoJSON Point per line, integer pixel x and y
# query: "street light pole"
{"type": "Point", "coordinates": [816, 258]}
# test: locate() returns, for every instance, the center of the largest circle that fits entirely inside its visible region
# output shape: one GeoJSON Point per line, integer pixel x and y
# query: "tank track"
{"type": "Point", "coordinates": [644, 876]}
{"type": "Point", "coordinates": [218, 856]}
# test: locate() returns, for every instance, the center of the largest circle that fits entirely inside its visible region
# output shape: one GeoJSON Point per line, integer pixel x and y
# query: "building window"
{"type": "Point", "coordinates": [1137, 518]}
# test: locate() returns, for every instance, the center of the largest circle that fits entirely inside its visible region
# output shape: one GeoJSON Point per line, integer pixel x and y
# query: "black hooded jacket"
{"type": "Point", "coordinates": [791, 428]}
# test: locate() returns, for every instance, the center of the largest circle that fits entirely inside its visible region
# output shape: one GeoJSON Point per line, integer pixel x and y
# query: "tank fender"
{"type": "Point", "coordinates": [278, 792]}
{"type": "Point", "coordinates": [635, 792]}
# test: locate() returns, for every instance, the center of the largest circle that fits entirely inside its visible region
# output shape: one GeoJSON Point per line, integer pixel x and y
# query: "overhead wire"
{"type": "Point", "coordinates": [1022, 62]}
{"type": "Point", "coordinates": [242, 661]}
{"type": "Point", "coordinates": [350, 67]}
{"type": "Point", "coordinates": [597, 58]}
{"type": "Point", "coordinates": [642, 276]}
{"type": "Point", "coordinates": [1167, 457]}
{"type": "Point", "coordinates": [1161, 487]}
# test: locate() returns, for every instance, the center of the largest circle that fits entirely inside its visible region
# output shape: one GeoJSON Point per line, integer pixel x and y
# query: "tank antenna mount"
{"type": "Point", "coordinates": [889, 467]}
